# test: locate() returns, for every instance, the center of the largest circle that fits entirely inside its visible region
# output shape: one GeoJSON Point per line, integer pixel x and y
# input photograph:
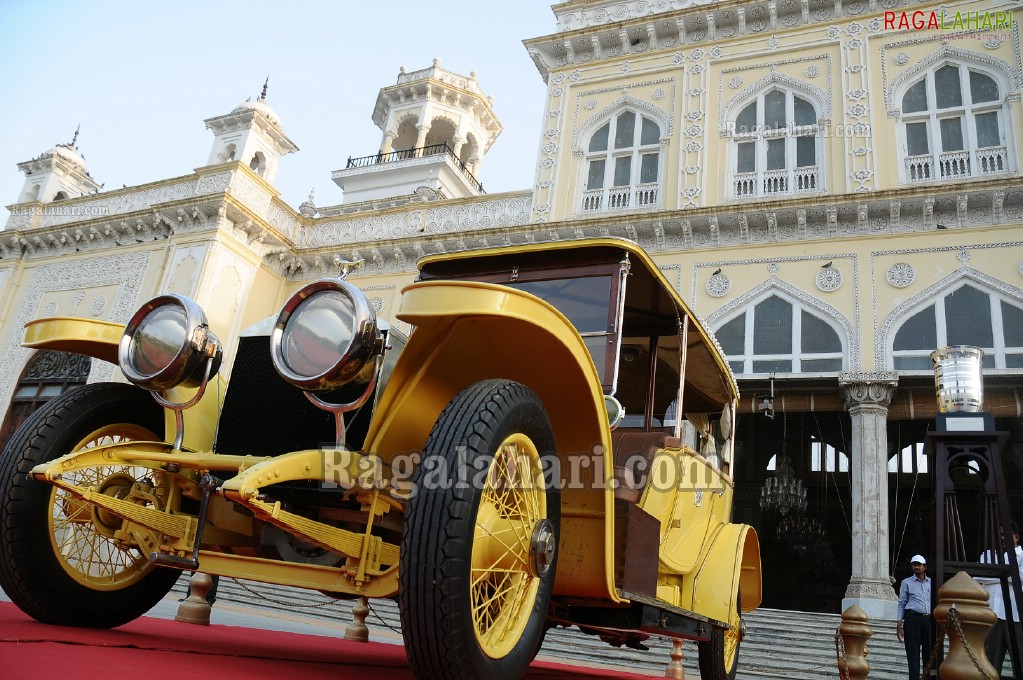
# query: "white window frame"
{"type": "Point", "coordinates": [754, 185]}
{"type": "Point", "coordinates": [931, 167]}
{"type": "Point", "coordinates": [635, 195]}
{"type": "Point", "coordinates": [797, 356]}
{"type": "Point", "coordinates": [999, 351]}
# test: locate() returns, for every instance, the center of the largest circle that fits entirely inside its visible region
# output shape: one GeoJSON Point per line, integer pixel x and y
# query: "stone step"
{"type": "Point", "coordinates": [779, 643]}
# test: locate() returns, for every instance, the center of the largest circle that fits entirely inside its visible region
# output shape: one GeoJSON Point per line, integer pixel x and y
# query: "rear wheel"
{"type": "Point", "coordinates": [59, 560]}
{"type": "Point", "coordinates": [478, 551]}
{"type": "Point", "coordinates": [719, 656]}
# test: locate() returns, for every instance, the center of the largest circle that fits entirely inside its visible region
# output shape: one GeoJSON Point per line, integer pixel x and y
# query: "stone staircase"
{"type": "Point", "coordinates": [779, 644]}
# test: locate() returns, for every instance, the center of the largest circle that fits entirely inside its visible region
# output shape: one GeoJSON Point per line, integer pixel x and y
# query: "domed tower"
{"type": "Point", "coordinates": [57, 174]}
{"type": "Point", "coordinates": [437, 125]}
{"type": "Point", "coordinates": [252, 134]}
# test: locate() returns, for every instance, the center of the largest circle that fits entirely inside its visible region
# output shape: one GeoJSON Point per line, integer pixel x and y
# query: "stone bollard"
{"type": "Point", "coordinates": [964, 614]}
{"type": "Point", "coordinates": [854, 633]}
{"type": "Point", "coordinates": [357, 630]}
{"type": "Point", "coordinates": [195, 608]}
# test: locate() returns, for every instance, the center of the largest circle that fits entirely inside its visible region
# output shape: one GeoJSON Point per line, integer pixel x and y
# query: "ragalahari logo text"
{"type": "Point", "coordinates": [947, 21]}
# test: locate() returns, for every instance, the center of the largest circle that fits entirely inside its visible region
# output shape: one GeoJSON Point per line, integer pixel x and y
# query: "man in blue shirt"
{"type": "Point", "coordinates": [914, 627]}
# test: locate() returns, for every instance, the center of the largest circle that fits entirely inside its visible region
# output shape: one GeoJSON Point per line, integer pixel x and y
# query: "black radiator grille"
{"type": "Point", "coordinates": [265, 416]}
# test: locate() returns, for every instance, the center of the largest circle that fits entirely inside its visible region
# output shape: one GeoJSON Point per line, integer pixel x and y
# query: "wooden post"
{"type": "Point", "coordinates": [854, 632]}
{"type": "Point", "coordinates": [357, 630]}
{"type": "Point", "coordinates": [195, 609]}
{"type": "Point", "coordinates": [674, 669]}
{"type": "Point", "coordinates": [964, 600]}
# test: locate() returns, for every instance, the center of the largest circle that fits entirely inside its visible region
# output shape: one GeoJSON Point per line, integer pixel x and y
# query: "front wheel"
{"type": "Point", "coordinates": [59, 560]}
{"type": "Point", "coordinates": [719, 656]}
{"type": "Point", "coordinates": [479, 545]}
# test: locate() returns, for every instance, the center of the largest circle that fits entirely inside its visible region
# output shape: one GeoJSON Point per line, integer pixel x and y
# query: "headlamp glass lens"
{"type": "Point", "coordinates": [158, 339]}
{"type": "Point", "coordinates": [319, 332]}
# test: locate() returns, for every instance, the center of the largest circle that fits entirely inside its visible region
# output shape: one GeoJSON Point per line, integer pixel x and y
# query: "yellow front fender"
{"type": "Point", "coordinates": [731, 565]}
{"type": "Point", "coordinates": [99, 339]}
{"type": "Point", "coordinates": [468, 331]}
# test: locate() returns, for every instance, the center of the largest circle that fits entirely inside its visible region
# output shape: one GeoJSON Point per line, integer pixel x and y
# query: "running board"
{"type": "Point", "coordinates": [647, 615]}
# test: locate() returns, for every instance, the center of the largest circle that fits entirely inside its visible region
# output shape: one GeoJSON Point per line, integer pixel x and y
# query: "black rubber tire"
{"type": "Point", "coordinates": [437, 540]}
{"type": "Point", "coordinates": [712, 653]}
{"type": "Point", "coordinates": [30, 572]}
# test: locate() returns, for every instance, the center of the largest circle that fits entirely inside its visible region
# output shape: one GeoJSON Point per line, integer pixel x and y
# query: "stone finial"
{"type": "Point", "coordinates": [854, 633]}
{"type": "Point", "coordinates": [357, 631]}
{"type": "Point", "coordinates": [964, 614]}
{"type": "Point", "coordinates": [674, 669]}
{"type": "Point", "coordinates": [195, 609]}
{"type": "Point", "coordinates": [266, 83]}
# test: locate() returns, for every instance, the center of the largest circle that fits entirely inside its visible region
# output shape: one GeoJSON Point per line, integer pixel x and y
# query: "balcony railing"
{"type": "Point", "coordinates": [621, 198]}
{"type": "Point", "coordinates": [957, 164]}
{"type": "Point", "coordinates": [409, 154]}
{"type": "Point", "coordinates": [798, 180]}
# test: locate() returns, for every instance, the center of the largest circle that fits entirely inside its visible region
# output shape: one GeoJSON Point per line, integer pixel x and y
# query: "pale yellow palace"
{"type": "Point", "coordinates": [835, 190]}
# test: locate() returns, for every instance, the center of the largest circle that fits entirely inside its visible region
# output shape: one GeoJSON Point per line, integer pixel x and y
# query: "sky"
{"type": "Point", "coordinates": [140, 78]}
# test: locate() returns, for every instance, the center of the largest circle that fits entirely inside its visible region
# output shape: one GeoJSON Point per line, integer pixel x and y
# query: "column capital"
{"type": "Point", "coordinates": [868, 389]}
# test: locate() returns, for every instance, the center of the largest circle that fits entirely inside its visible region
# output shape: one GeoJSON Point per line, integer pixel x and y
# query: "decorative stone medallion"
{"type": "Point", "coordinates": [829, 279]}
{"type": "Point", "coordinates": [902, 274]}
{"type": "Point", "coordinates": [718, 285]}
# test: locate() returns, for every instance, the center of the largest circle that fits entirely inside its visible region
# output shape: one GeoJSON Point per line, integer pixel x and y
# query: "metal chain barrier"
{"type": "Point", "coordinates": [381, 620]}
{"type": "Point", "coordinates": [318, 605]}
{"type": "Point", "coordinates": [938, 644]}
{"type": "Point", "coordinates": [288, 605]}
{"type": "Point", "coordinates": [840, 654]}
{"type": "Point", "coordinates": [953, 616]}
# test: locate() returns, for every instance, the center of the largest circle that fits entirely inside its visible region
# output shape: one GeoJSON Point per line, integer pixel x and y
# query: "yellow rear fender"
{"type": "Point", "coordinates": [466, 332]}
{"type": "Point", "coordinates": [730, 566]}
{"type": "Point", "coordinates": [99, 340]}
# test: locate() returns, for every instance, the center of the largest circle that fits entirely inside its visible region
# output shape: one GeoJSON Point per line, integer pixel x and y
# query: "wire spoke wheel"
{"type": "Point", "coordinates": [719, 656]}
{"type": "Point", "coordinates": [503, 585]}
{"type": "Point", "coordinates": [63, 560]}
{"type": "Point", "coordinates": [478, 559]}
{"type": "Point", "coordinates": [82, 535]}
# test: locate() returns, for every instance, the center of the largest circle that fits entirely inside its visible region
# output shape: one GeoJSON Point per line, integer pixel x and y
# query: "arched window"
{"type": "Point", "coordinates": [48, 374]}
{"type": "Point", "coordinates": [779, 336]}
{"type": "Point", "coordinates": [910, 460]}
{"type": "Point", "coordinates": [60, 196]}
{"type": "Point", "coordinates": [826, 458]}
{"type": "Point", "coordinates": [623, 164]}
{"type": "Point", "coordinates": [954, 123]}
{"type": "Point", "coordinates": [776, 146]}
{"type": "Point", "coordinates": [965, 316]}
{"type": "Point", "coordinates": [258, 163]}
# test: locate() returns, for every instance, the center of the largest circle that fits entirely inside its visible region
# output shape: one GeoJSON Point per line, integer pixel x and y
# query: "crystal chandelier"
{"type": "Point", "coordinates": [784, 492]}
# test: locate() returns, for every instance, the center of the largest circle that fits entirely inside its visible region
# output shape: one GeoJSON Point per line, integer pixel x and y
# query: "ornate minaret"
{"type": "Point", "coordinates": [252, 134]}
{"type": "Point", "coordinates": [57, 174]}
{"type": "Point", "coordinates": [436, 125]}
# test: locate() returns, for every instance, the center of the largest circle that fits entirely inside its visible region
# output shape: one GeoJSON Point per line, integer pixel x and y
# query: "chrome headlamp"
{"type": "Point", "coordinates": [167, 343]}
{"type": "Point", "coordinates": [325, 336]}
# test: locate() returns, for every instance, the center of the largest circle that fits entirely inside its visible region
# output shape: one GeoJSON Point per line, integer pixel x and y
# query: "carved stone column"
{"type": "Point", "coordinates": [421, 139]}
{"type": "Point", "coordinates": [387, 142]}
{"type": "Point", "coordinates": [867, 396]}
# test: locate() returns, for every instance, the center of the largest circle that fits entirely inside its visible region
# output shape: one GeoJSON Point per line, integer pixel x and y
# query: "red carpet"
{"type": "Point", "coordinates": [160, 649]}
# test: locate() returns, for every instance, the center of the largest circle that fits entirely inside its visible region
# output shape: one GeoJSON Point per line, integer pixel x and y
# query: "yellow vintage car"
{"type": "Point", "coordinates": [549, 446]}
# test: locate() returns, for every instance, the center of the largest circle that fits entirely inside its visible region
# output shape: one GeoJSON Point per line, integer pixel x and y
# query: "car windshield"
{"type": "Point", "coordinates": [586, 302]}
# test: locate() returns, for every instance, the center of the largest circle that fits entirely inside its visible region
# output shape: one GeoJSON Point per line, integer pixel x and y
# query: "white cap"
{"type": "Point", "coordinates": [918, 558]}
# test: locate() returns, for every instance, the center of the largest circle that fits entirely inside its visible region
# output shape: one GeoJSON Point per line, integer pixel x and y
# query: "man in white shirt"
{"type": "Point", "coordinates": [997, 642]}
